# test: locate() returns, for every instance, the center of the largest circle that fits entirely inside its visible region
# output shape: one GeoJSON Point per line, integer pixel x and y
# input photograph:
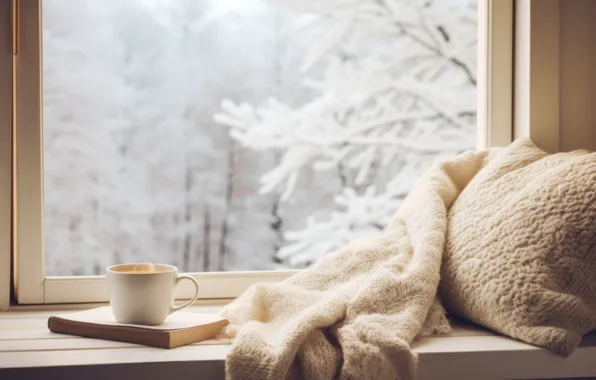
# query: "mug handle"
{"type": "Point", "coordinates": [194, 298]}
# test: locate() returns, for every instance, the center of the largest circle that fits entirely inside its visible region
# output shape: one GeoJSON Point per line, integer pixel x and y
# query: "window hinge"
{"type": "Point", "coordinates": [14, 11]}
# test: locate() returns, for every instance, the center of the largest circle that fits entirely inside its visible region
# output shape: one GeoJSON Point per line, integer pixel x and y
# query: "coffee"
{"type": "Point", "coordinates": [140, 271]}
{"type": "Point", "coordinates": [140, 268]}
{"type": "Point", "coordinates": [144, 293]}
{"type": "Point", "coordinates": [145, 268]}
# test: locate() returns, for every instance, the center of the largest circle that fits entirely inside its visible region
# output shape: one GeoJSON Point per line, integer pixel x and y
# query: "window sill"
{"type": "Point", "coordinates": [29, 351]}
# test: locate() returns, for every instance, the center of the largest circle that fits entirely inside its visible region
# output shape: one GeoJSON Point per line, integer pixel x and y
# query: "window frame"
{"type": "Point", "coordinates": [495, 73]}
{"type": "Point", "coordinates": [6, 141]}
{"type": "Point", "coordinates": [495, 68]}
{"type": "Point", "coordinates": [536, 73]}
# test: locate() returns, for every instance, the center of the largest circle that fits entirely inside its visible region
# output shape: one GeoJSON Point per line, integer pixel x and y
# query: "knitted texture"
{"type": "Point", "coordinates": [519, 258]}
{"type": "Point", "coordinates": [521, 247]}
{"type": "Point", "coordinates": [355, 312]}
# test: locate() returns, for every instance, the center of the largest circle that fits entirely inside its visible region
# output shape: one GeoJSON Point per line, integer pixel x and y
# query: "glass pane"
{"type": "Point", "coordinates": [243, 135]}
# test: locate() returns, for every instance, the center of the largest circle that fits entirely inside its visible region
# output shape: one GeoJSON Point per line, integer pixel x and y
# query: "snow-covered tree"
{"type": "Point", "coordinates": [80, 157]}
{"type": "Point", "coordinates": [137, 169]}
{"type": "Point", "coordinates": [395, 85]}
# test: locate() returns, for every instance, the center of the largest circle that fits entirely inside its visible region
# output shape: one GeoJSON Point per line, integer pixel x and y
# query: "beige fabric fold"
{"type": "Point", "coordinates": [354, 314]}
{"type": "Point", "coordinates": [520, 254]}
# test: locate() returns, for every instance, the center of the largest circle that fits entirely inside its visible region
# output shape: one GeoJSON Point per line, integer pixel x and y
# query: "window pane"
{"type": "Point", "coordinates": [243, 135]}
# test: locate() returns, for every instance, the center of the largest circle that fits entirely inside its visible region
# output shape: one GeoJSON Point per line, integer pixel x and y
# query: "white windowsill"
{"type": "Point", "coordinates": [29, 351]}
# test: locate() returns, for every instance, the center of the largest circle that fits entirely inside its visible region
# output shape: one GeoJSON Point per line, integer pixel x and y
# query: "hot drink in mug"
{"type": "Point", "coordinates": [144, 293]}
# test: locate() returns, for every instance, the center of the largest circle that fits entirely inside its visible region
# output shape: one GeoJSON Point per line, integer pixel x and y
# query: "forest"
{"type": "Point", "coordinates": [222, 135]}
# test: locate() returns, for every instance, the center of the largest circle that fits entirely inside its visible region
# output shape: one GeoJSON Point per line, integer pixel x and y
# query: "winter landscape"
{"type": "Point", "coordinates": [221, 135]}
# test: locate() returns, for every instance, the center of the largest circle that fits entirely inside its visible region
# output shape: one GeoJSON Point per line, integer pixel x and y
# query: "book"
{"type": "Point", "coordinates": [179, 329]}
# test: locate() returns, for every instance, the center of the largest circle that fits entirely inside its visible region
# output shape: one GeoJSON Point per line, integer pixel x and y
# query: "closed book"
{"type": "Point", "coordinates": [179, 329]}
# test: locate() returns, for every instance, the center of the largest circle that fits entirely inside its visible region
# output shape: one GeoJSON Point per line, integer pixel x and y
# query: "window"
{"type": "Point", "coordinates": [239, 141]}
{"type": "Point", "coordinates": [5, 153]}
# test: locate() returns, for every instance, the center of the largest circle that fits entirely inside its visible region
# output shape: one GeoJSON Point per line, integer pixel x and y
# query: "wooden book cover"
{"type": "Point", "coordinates": [179, 329]}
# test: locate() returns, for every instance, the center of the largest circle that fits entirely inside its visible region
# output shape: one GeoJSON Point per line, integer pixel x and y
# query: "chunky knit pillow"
{"type": "Point", "coordinates": [520, 255]}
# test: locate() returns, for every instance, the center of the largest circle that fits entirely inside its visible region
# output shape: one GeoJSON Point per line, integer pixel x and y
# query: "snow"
{"type": "Point", "coordinates": [243, 135]}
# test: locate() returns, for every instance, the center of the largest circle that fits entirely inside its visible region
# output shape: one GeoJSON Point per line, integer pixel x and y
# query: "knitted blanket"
{"type": "Point", "coordinates": [354, 314]}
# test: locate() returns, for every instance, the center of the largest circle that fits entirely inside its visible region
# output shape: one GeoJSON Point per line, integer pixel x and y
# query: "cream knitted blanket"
{"type": "Point", "coordinates": [354, 313]}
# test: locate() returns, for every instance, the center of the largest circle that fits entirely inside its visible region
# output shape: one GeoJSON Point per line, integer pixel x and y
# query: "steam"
{"type": "Point", "coordinates": [149, 267]}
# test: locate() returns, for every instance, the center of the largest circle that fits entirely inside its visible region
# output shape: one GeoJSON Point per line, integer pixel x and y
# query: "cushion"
{"type": "Point", "coordinates": [520, 255]}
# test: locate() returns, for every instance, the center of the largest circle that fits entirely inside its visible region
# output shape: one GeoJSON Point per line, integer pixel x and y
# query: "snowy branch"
{"type": "Point", "coordinates": [395, 85]}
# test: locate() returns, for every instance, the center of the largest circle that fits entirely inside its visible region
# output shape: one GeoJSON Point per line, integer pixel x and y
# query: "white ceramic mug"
{"type": "Point", "coordinates": [144, 293]}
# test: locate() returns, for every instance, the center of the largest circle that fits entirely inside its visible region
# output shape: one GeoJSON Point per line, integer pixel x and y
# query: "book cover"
{"type": "Point", "coordinates": [179, 329]}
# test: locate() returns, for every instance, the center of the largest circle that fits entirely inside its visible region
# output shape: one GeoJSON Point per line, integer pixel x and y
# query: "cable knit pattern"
{"type": "Point", "coordinates": [521, 247]}
{"type": "Point", "coordinates": [355, 312]}
{"type": "Point", "coordinates": [520, 259]}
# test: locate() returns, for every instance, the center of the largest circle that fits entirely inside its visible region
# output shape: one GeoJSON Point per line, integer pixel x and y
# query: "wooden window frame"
{"type": "Point", "coordinates": [6, 141]}
{"type": "Point", "coordinates": [21, 243]}
{"type": "Point", "coordinates": [536, 72]}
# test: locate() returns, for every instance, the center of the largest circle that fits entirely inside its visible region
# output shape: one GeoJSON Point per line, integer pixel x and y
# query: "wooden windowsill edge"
{"type": "Point", "coordinates": [469, 352]}
{"type": "Point", "coordinates": [458, 357]}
